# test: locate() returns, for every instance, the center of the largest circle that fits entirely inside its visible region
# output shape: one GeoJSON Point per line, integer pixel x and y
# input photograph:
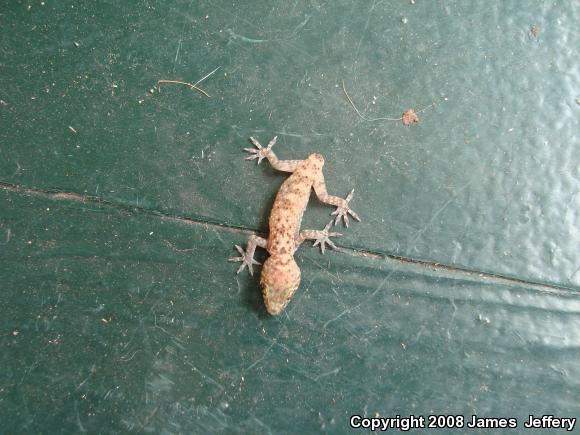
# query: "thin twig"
{"type": "Point", "coordinates": [190, 85]}
{"type": "Point", "coordinates": [360, 114]}
{"type": "Point", "coordinates": [205, 77]}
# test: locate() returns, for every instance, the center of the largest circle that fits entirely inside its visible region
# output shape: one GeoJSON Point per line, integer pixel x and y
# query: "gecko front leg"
{"type": "Point", "coordinates": [320, 237]}
{"type": "Point", "coordinates": [247, 256]}
{"type": "Point", "coordinates": [261, 153]}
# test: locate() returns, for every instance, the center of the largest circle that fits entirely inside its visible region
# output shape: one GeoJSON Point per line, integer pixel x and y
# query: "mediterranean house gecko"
{"type": "Point", "coordinates": [280, 274]}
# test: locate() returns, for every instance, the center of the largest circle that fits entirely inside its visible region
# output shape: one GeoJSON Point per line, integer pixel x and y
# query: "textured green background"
{"type": "Point", "coordinates": [120, 206]}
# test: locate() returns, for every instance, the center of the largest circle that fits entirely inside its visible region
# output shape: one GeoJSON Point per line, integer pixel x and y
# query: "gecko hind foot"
{"type": "Point", "coordinates": [246, 260]}
{"type": "Point", "coordinates": [344, 211]}
{"type": "Point", "coordinates": [325, 238]}
{"type": "Point", "coordinates": [259, 152]}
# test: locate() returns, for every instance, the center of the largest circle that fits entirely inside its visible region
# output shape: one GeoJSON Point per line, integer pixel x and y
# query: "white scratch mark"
{"type": "Point", "coordinates": [261, 423]}
{"type": "Point", "coordinates": [177, 53]}
{"type": "Point", "coordinates": [262, 357]}
{"type": "Point", "coordinates": [93, 369]}
{"type": "Point", "coordinates": [331, 372]}
{"type": "Point", "coordinates": [349, 310]}
{"type": "Point", "coordinates": [420, 333]}
{"type": "Point", "coordinates": [437, 213]}
{"type": "Point", "coordinates": [217, 234]}
{"type": "Point", "coordinates": [303, 136]}
{"type": "Point", "coordinates": [131, 357]}
{"type": "Point", "coordinates": [317, 377]}
{"type": "Point", "coordinates": [242, 38]}
{"type": "Point", "coordinates": [452, 318]}
{"type": "Point", "coordinates": [365, 29]}
{"type": "Point", "coordinates": [180, 39]}
{"type": "Point", "coordinates": [302, 24]}
{"type": "Point", "coordinates": [574, 274]}
{"type": "Point", "coordinates": [250, 24]}
{"type": "Point", "coordinates": [79, 422]}
{"type": "Point", "coordinates": [27, 372]}
{"type": "Point", "coordinates": [206, 377]}
{"type": "Point", "coordinates": [159, 327]}
{"type": "Point", "coordinates": [325, 270]}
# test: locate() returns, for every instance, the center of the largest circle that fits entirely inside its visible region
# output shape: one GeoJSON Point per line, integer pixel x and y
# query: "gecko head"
{"type": "Point", "coordinates": [317, 160]}
{"type": "Point", "coordinates": [280, 278]}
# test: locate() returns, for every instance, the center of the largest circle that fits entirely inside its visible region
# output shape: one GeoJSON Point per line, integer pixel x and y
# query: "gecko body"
{"type": "Point", "coordinates": [280, 274]}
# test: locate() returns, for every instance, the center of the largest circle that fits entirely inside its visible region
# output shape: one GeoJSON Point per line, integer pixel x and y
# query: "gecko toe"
{"type": "Point", "coordinates": [272, 142]}
{"type": "Point", "coordinates": [258, 152]}
{"type": "Point", "coordinates": [354, 215]}
{"type": "Point", "coordinates": [255, 142]}
{"type": "Point", "coordinates": [241, 268]}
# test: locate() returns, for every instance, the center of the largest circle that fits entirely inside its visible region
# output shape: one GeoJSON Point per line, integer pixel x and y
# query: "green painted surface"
{"type": "Point", "coordinates": [120, 311]}
{"type": "Point", "coordinates": [119, 322]}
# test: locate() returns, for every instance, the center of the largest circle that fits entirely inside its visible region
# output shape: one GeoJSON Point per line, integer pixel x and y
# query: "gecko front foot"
{"type": "Point", "coordinates": [324, 238]}
{"type": "Point", "coordinates": [247, 259]}
{"type": "Point", "coordinates": [260, 153]}
{"type": "Point", "coordinates": [342, 211]}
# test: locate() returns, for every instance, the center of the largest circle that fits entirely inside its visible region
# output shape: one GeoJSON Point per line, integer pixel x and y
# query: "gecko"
{"type": "Point", "coordinates": [280, 276]}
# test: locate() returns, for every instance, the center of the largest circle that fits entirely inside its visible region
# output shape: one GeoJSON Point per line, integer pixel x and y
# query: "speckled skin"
{"type": "Point", "coordinates": [280, 274]}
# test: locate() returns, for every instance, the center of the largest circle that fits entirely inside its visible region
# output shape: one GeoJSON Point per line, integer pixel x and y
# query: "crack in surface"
{"type": "Point", "coordinates": [358, 252]}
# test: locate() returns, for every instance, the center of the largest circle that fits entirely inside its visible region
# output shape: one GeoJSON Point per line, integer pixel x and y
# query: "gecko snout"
{"type": "Point", "coordinates": [317, 159]}
{"type": "Point", "coordinates": [280, 278]}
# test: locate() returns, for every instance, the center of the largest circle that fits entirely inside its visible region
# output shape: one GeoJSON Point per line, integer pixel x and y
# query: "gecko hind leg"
{"type": "Point", "coordinates": [247, 256]}
{"type": "Point", "coordinates": [321, 238]}
{"type": "Point", "coordinates": [342, 211]}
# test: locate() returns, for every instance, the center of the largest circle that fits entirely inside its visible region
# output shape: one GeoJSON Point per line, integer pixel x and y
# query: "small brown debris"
{"type": "Point", "coordinates": [535, 32]}
{"type": "Point", "coordinates": [409, 117]}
